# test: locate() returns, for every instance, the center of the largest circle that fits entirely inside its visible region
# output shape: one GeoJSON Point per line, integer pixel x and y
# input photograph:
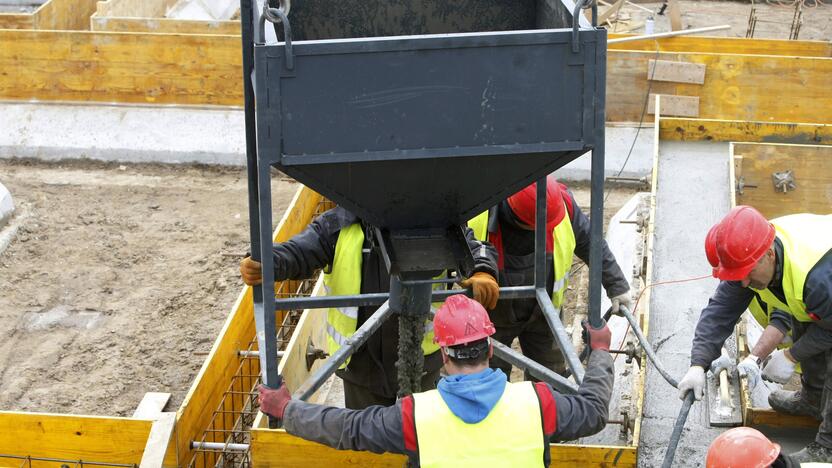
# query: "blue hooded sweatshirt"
{"type": "Point", "coordinates": [472, 396]}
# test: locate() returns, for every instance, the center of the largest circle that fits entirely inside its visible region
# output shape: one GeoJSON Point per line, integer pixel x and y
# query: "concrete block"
{"type": "Point", "coordinates": [6, 205]}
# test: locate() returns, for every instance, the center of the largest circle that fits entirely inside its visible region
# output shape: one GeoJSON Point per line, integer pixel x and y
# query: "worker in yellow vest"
{"type": "Point", "coordinates": [509, 227]}
{"type": "Point", "coordinates": [787, 263]}
{"type": "Point", "coordinates": [337, 242]}
{"type": "Point", "coordinates": [475, 418]}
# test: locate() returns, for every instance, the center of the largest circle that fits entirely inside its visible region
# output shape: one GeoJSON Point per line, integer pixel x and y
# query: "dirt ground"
{"type": "Point", "coordinates": [118, 281]}
{"type": "Point", "coordinates": [774, 18]}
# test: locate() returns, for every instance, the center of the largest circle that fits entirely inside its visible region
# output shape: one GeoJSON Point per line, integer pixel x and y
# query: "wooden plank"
{"type": "Point", "coordinates": [164, 25]}
{"type": "Point", "coordinates": [152, 405]}
{"type": "Point", "coordinates": [768, 417]}
{"type": "Point", "coordinates": [674, 11]}
{"type": "Point", "coordinates": [686, 129]}
{"type": "Point", "coordinates": [275, 448]}
{"type": "Point", "coordinates": [609, 12]}
{"type": "Point", "coordinates": [134, 8]}
{"type": "Point", "coordinates": [89, 438]}
{"type": "Point", "coordinates": [158, 441]}
{"type": "Point", "coordinates": [205, 394]}
{"type": "Point", "coordinates": [679, 72]}
{"type": "Point", "coordinates": [727, 45]}
{"type": "Point", "coordinates": [65, 14]}
{"type": "Point", "coordinates": [17, 21]}
{"type": "Point", "coordinates": [812, 168]}
{"type": "Point", "coordinates": [684, 106]}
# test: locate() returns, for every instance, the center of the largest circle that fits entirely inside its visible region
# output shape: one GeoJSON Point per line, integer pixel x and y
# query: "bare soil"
{"type": "Point", "coordinates": [118, 281]}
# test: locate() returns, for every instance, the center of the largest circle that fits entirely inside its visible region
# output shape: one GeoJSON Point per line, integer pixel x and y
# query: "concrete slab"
{"type": "Point", "coordinates": [123, 133]}
{"type": "Point", "coordinates": [618, 142]}
{"type": "Point", "coordinates": [692, 195]}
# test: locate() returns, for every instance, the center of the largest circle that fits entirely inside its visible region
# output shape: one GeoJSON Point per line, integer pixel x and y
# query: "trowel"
{"type": "Point", "coordinates": [724, 408]}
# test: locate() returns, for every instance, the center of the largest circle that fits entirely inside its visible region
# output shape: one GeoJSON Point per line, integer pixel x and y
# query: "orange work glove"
{"type": "Point", "coordinates": [486, 289]}
{"type": "Point", "coordinates": [251, 271]}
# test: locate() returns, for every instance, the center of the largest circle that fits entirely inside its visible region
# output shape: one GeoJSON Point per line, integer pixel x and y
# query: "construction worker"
{"type": "Point", "coordinates": [787, 262]}
{"type": "Point", "coordinates": [745, 447]}
{"type": "Point", "coordinates": [475, 418]}
{"type": "Point", "coordinates": [337, 240]}
{"type": "Point", "coordinates": [509, 226]}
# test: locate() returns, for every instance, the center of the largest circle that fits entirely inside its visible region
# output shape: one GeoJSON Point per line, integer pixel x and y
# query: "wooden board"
{"type": "Point", "coordinates": [678, 72]}
{"type": "Point", "coordinates": [206, 392]}
{"type": "Point", "coordinates": [152, 405]}
{"type": "Point", "coordinates": [684, 106]}
{"type": "Point", "coordinates": [17, 21]}
{"type": "Point", "coordinates": [812, 167]}
{"type": "Point", "coordinates": [65, 14]}
{"type": "Point", "coordinates": [727, 45]}
{"type": "Point", "coordinates": [687, 129]}
{"type": "Point", "coordinates": [768, 417]}
{"type": "Point", "coordinates": [158, 441]}
{"type": "Point", "coordinates": [163, 25]}
{"type": "Point", "coordinates": [276, 448]}
{"type": "Point", "coordinates": [90, 438]}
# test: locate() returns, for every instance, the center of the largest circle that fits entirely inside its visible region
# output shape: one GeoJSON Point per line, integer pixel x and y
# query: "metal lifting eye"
{"type": "Point", "coordinates": [280, 15]}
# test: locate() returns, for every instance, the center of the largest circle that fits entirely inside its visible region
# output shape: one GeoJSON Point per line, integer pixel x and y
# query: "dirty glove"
{"type": "Point", "coordinates": [273, 402]}
{"type": "Point", "coordinates": [598, 339]}
{"type": "Point", "coordinates": [694, 380]}
{"type": "Point", "coordinates": [722, 362]}
{"type": "Point", "coordinates": [749, 369]}
{"type": "Point", "coordinates": [621, 300]}
{"type": "Point", "coordinates": [779, 368]}
{"type": "Point", "coordinates": [251, 271]}
{"type": "Point", "coordinates": [486, 289]}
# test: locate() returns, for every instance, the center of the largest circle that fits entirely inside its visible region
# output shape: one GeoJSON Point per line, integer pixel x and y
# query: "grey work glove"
{"type": "Point", "coordinates": [749, 369]}
{"type": "Point", "coordinates": [621, 300]}
{"type": "Point", "coordinates": [694, 380]}
{"type": "Point", "coordinates": [778, 368]}
{"type": "Point", "coordinates": [723, 362]}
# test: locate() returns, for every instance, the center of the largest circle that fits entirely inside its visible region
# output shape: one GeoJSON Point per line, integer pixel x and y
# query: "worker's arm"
{"type": "Point", "coordinates": [771, 337]}
{"type": "Point", "coordinates": [485, 255]}
{"type": "Point", "coordinates": [313, 248]}
{"type": "Point", "coordinates": [586, 412]}
{"type": "Point", "coordinates": [717, 321]}
{"type": "Point", "coordinates": [612, 277]}
{"type": "Point", "coordinates": [817, 295]}
{"type": "Point", "coordinates": [781, 320]}
{"type": "Point", "coordinates": [376, 429]}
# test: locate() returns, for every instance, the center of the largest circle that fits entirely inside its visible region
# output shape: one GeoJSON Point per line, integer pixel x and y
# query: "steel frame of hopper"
{"type": "Point", "coordinates": [263, 151]}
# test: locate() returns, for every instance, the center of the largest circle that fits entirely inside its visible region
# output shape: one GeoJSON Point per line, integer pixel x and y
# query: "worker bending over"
{"type": "Point", "coordinates": [509, 226]}
{"type": "Point", "coordinates": [475, 418]}
{"type": "Point", "coordinates": [337, 240]}
{"type": "Point", "coordinates": [787, 263]}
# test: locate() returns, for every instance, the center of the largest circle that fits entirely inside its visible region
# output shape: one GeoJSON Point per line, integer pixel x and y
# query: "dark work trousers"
{"type": "Point", "coordinates": [360, 397]}
{"type": "Point", "coordinates": [523, 319]}
{"type": "Point", "coordinates": [815, 381]}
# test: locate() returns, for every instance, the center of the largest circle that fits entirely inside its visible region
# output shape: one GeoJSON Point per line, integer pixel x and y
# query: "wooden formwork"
{"type": "Point", "coordinates": [52, 14]}
{"type": "Point", "coordinates": [148, 16]}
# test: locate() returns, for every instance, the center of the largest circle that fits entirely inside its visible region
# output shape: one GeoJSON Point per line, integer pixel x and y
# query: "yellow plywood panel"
{"type": "Point", "coordinates": [65, 14]}
{"type": "Point", "coordinates": [95, 66]}
{"type": "Point", "coordinates": [686, 129]}
{"type": "Point", "coordinates": [17, 21]}
{"type": "Point", "coordinates": [685, 106]}
{"type": "Point", "coordinates": [812, 169]}
{"type": "Point", "coordinates": [736, 87]}
{"type": "Point", "coordinates": [164, 25]}
{"type": "Point", "coordinates": [213, 379]}
{"type": "Point", "coordinates": [88, 438]}
{"type": "Point", "coordinates": [727, 45]}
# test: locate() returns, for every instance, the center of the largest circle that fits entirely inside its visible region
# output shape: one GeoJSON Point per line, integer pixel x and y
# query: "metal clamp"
{"type": "Point", "coordinates": [783, 181]}
{"type": "Point", "coordinates": [275, 15]}
{"type": "Point", "coordinates": [582, 5]}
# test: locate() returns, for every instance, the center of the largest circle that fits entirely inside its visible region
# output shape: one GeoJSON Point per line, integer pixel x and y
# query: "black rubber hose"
{"type": "Point", "coordinates": [676, 435]}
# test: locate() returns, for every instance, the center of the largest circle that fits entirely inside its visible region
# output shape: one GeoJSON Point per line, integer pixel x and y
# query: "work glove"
{"type": "Point", "coordinates": [778, 368]}
{"type": "Point", "coordinates": [251, 271]}
{"type": "Point", "coordinates": [749, 369]}
{"type": "Point", "coordinates": [598, 339]}
{"type": "Point", "coordinates": [486, 289]}
{"type": "Point", "coordinates": [694, 380]}
{"type": "Point", "coordinates": [621, 300]}
{"type": "Point", "coordinates": [722, 362]}
{"type": "Point", "coordinates": [273, 402]}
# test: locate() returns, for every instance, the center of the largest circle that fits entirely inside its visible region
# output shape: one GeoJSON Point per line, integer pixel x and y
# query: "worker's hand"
{"type": "Point", "coordinates": [749, 369]}
{"type": "Point", "coordinates": [722, 362]}
{"type": "Point", "coordinates": [251, 271]}
{"type": "Point", "coordinates": [486, 289]}
{"type": "Point", "coordinates": [273, 402]}
{"type": "Point", "coordinates": [779, 367]}
{"type": "Point", "coordinates": [694, 380]}
{"type": "Point", "coordinates": [598, 339]}
{"type": "Point", "coordinates": [621, 300]}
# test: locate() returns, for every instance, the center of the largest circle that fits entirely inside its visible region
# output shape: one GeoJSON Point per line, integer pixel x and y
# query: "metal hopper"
{"type": "Point", "coordinates": [416, 134]}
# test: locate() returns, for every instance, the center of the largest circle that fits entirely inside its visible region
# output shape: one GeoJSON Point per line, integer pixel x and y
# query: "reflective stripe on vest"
{"type": "Point", "coordinates": [564, 250]}
{"type": "Point", "coordinates": [805, 239]}
{"type": "Point", "coordinates": [344, 278]}
{"type": "Point", "coordinates": [511, 434]}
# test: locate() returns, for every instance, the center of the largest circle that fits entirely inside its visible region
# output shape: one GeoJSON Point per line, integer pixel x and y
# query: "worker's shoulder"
{"type": "Point", "coordinates": [337, 218]}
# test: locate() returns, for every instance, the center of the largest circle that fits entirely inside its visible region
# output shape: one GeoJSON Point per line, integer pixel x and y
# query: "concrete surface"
{"type": "Point", "coordinates": [6, 205]}
{"type": "Point", "coordinates": [692, 195]}
{"type": "Point", "coordinates": [208, 10]}
{"type": "Point", "coordinates": [618, 143]}
{"type": "Point", "coordinates": [123, 133]}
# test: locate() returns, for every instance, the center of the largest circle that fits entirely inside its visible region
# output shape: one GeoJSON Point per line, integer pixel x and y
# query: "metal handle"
{"type": "Point", "coordinates": [275, 15]}
{"type": "Point", "coordinates": [582, 5]}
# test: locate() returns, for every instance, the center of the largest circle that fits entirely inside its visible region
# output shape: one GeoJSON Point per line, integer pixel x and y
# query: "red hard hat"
{"type": "Point", "coordinates": [522, 203]}
{"type": "Point", "coordinates": [461, 320]}
{"type": "Point", "coordinates": [742, 447]}
{"type": "Point", "coordinates": [736, 244]}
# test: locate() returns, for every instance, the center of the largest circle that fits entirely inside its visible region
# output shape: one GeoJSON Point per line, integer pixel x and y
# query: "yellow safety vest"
{"type": "Point", "coordinates": [511, 434]}
{"type": "Point", "coordinates": [805, 239]}
{"type": "Point", "coordinates": [564, 250]}
{"type": "Point", "coordinates": [344, 278]}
